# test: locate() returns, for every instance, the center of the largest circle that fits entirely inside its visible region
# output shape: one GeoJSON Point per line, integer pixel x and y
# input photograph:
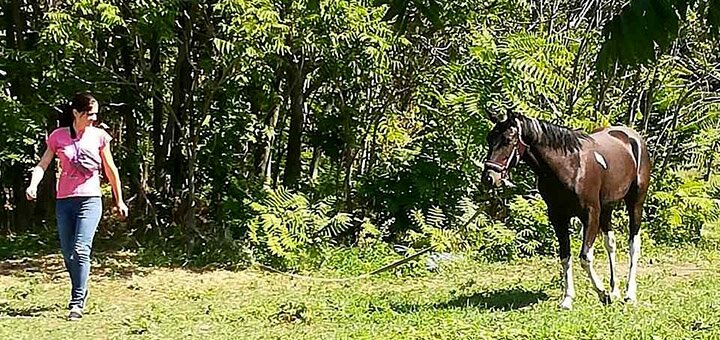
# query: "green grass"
{"type": "Point", "coordinates": [679, 293]}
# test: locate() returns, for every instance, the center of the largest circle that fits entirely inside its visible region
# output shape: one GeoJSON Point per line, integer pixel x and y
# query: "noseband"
{"type": "Point", "coordinates": [517, 152]}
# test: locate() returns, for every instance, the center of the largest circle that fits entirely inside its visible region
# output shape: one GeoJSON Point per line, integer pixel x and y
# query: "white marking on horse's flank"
{"type": "Point", "coordinates": [632, 272]}
{"type": "Point", "coordinates": [579, 176]}
{"type": "Point", "coordinates": [601, 160]}
{"type": "Point", "coordinates": [639, 150]}
{"type": "Point", "coordinates": [639, 157]}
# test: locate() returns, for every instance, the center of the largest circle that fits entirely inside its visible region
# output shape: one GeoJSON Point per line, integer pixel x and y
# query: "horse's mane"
{"type": "Point", "coordinates": [543, 133]}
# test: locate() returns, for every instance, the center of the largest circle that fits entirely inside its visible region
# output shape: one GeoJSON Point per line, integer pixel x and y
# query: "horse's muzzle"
{"type": "Point", "coordinates": [492, 178]}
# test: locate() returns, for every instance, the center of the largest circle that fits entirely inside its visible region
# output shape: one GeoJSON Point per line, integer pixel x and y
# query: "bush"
{"type": "Point", "coordinates": [525, 232]}
{"type": "Point", "coordinates": [534, 233]}
{"type": "Point", "coordinates": [681, 208]}
{"type": "Point", "coordinates": [289, 230]}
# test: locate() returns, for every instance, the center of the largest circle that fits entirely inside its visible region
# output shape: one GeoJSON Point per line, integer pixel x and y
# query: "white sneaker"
{"type": "Point", "coordinates": [75, 313]}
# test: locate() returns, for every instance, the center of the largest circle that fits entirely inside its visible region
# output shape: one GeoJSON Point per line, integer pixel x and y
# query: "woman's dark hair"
{"type": "Point", "coordinates": [81, 102]}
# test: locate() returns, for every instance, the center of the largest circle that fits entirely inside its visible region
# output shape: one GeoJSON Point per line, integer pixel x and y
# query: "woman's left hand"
{"type": "Point", "coordinates": [121, 209]}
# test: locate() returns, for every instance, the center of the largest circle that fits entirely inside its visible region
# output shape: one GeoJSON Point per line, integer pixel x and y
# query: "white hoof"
{"type": "Point", "coordinates": [566, 303]}
{"type": "Point", "coordinates": [615, 295]}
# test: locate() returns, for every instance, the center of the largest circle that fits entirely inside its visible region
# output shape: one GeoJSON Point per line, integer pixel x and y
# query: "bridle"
{"type": "Point", "coordinates": [517, 153]}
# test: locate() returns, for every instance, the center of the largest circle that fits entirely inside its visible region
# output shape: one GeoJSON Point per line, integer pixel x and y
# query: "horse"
{"type": "Point", "coordinates": [578, 175]}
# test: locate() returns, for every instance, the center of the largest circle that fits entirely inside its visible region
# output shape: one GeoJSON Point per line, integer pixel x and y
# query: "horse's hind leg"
{"type": "Point", "coordinates": [634, 202]}
{"type": "Point", "coordinates": [610, 246]}
{"type": "Point", "coordinates": [591, 227]}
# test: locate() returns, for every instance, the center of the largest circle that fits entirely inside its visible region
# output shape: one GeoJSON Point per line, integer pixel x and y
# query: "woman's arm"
{"type": "Point", "coordinates": [38, 172]}
{"type": "Point", "coordinates": [114, 178]}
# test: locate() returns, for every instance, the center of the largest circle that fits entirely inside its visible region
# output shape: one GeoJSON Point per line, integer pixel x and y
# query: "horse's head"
{"type": "Point", "coordinates": [505, 148]}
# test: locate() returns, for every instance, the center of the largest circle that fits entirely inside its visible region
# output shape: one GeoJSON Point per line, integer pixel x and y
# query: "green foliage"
{"type": "Point", "coordinates": [432, 227]}
{"type": "Point", "coordinates": [26, 245]}
{"type": "Point", "coordinates": [683, 209]}
{"type": "Point", "coordinates": [200, 98]}
{"type": "Point", "coordinates": [712, 16]}
{"type": "Point", "coordinates": [369, 234]}
{"type": "Point", "coordinates": [526, 232]}
{"type": "Point", "coordinates": [77, 27]}
{"type": "Point", "coordinates": [403, 12]}
{"type": "Point", "coordinates": [644, 29]}
{"type": "Point", "coordinates": [424, 183]}
{"type": "Point", "coordinates": [537, 66]}
{"type": "Point", "coordinates": [632, 36]}
{"type": "Point", "coordinates": [291, 229]}
{"type": "Point", "coordinates": [17, 124]}
{"type": "Point", "coordinates": [534, 233]}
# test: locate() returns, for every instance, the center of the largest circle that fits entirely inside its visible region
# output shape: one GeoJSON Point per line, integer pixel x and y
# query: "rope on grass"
{"type": "Point", "coordinates": [359, 277]}
{"type": "Point", "coordinates": [363, 276]}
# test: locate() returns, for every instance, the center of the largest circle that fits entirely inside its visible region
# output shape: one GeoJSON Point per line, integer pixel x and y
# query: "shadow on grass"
{"type": "Point", "coordinates": [28, 254]}
{"type": "Point", "coordinates": [504, 299]}
{"type": "Point", "coordinates": [25, 312]}
{"type": "Point", "coordinates": [27, 245]}
{"type": "Point", "coordinates": [501, 300]}
{"type": "Point", "coordinates": [105, 264]}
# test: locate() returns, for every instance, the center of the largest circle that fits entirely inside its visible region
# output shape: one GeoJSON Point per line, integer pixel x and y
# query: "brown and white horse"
{"type": "Point", "coordinates": [579, 175]}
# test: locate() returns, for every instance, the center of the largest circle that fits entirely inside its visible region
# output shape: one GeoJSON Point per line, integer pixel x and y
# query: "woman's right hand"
{"type": "Point", "coordinates": [121, 210]}
{"type": "Point", "coordinates": [31, 193]}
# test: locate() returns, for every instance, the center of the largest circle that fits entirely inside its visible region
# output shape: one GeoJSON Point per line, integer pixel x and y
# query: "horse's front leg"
{"type": "Point", "coordinates": [562, 231]}
{"type": "Point", "coordinates": [591, 228]}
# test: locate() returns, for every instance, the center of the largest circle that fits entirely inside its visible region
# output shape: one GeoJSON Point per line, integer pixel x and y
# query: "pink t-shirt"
{"type": "Point", "coordinates": [73, 182]}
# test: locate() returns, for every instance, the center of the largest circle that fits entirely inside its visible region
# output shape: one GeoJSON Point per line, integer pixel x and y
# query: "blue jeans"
{"type": "Point", "coordinates": [77, 220]}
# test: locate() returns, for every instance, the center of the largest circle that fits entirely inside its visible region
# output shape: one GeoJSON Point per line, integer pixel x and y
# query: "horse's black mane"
{"type": "Point", "coordinates": [540, 132]}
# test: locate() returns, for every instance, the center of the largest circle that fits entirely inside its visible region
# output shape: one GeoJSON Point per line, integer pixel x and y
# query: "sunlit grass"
{"type": "Point", "coordinates": [679, 298]}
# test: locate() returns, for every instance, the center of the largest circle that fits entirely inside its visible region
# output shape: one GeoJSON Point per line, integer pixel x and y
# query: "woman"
{"type": "Point", "coordinates": [83, 150]}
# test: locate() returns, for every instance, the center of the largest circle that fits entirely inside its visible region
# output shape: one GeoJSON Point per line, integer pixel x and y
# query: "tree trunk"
{"type": "Point", "coordinates": [636, 95]}
{"type": "Point", "coordinates": [293, 164]}
{"type": "Point", "coordinates": [351, 154]}
{"type": "Point", "coordinates": [264, 147]}
{"type": "Point", "coordinates": [709, 163]}
{"type": "Point", "coordinates": [279, 134]}
{"type": "Point", "coordinates": [647, 103]}
{"type": "Point", "coordinates": [182, 90]}
{"type": "Point", "coordinates": [315, 163]}
{"type": "Point", "coordinates": [158, 112]}
{"type": "Point", "coordinates": [20, 88]}
{"type": "Point", "coordinates": [128, 96]}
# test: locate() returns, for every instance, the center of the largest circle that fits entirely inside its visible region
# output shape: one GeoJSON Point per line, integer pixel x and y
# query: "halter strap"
{"type": "Point", "coordinates": [517, 152]}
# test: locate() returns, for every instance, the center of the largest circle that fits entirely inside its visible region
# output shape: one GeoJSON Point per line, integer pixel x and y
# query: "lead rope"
{"type": "Point", "coordinates": [359, 277]}
{"type": "Point", "coordinates": [362, 276]}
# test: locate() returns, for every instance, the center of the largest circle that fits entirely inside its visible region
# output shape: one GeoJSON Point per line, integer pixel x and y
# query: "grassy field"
{"type": "Point", "coordinates": [679, 298]}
